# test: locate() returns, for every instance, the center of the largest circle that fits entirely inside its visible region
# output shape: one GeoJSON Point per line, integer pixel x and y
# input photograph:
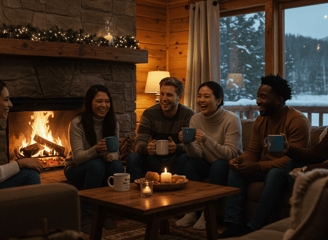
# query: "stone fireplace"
{"type": "Point", "coordinates": [59, 85]}
{"type": "Point", "coordinates": [48, 77]}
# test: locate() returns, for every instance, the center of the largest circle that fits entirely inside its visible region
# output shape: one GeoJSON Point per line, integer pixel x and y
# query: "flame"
{"type": "Point", "coordinates": [165, 170]}
{"type": "Point", "coordinates": [40, 126]}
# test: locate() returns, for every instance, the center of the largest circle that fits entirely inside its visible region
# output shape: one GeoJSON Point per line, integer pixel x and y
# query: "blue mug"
{"type": "Point", "coordinates": [188, 134]}
{"type": "Point", "coordinates": [275, 143]}
{"type": "Point", "coordinates": [112, 143]}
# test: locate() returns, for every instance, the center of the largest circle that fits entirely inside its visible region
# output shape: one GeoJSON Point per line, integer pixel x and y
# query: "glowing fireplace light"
{"type": "Point", "coordinates": [40, 127]}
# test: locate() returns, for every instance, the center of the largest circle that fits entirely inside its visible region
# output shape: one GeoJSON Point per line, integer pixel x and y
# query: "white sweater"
{"type": "Point", "coordinates": [224, 136]}
{"type": "Point", "coordinates": [80, 148]}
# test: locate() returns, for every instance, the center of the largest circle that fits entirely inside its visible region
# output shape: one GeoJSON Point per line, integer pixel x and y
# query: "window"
{"type": "Point", "coordinates": [306, 56]}
{"type": "Point", "coordinates": [242, 60]}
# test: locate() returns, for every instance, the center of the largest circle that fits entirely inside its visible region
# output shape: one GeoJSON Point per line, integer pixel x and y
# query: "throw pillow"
{"type": "Point", "coordinates": [309, 207]}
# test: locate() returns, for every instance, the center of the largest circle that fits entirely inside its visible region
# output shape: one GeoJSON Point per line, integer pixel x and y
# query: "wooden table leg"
{"type": "Point", "coordinates": [210, 218]}
{"type": "Point", "coordinates": [97, 222]}
{"type": "Point", "coordinates": [164, 227]}
{"type": "Point", "coordinates": [153, 222]}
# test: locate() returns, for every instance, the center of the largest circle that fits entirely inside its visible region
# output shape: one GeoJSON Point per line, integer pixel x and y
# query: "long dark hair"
{"type": "Point", "coordinates": [109, 124]}
{"type": "Point", "coordinates": [2, 85]}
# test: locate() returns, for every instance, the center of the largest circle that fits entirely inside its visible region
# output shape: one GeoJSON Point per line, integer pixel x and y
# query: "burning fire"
{"type": "Point", "coordinates": [40, 126]}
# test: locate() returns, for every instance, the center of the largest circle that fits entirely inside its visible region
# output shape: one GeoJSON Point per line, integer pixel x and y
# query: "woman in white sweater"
{"type": "Point", "coordinates": [217, 140]}
{"type": "Point", "coordinates": [90, 164]}
{"type": "Point", "coordinates": [24, 171]}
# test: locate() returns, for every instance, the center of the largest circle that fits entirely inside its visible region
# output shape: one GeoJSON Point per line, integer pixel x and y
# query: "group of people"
{"type": "Point", "coordinates": [217, 152]}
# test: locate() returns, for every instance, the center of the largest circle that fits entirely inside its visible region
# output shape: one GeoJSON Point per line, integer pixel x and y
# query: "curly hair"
{"type": "Point", "coordinates": [279, 85]}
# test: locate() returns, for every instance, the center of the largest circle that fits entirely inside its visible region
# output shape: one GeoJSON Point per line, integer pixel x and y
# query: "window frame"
{"type": "Point", "coordinates": [274, 25]}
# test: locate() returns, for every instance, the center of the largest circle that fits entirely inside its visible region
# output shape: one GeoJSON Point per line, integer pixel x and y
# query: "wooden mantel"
{"type": "Point", "coordinates": [24, 47]}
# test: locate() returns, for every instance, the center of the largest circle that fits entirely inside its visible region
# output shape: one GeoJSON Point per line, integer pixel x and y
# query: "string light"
{"type": "Point", "coordinates": [59, 35]}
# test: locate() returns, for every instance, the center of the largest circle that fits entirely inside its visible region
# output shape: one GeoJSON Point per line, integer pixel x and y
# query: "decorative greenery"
{"type": "Point", "coordinates": [59, 35]}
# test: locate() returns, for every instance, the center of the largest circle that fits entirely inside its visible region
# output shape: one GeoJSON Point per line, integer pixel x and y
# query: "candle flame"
{"type": "Point", "coordinates": [165, 170]}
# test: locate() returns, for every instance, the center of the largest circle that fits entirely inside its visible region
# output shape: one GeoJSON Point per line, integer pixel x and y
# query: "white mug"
{"type": "Point", "coordinates": [162, 147]}
{"type": "Point", "coordinates": [121, 182]}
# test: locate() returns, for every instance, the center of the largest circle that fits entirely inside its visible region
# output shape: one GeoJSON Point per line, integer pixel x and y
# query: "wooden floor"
{"type": "Point", "coordinates": [53, 175]}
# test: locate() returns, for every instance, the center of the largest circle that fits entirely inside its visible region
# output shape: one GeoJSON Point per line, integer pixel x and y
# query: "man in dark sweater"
{"type": "Point", "coordinates": [162, 121]}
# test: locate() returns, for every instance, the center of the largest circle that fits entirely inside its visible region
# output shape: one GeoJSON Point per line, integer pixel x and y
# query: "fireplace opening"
{"type": "Point", "coordinates": [39, 129]}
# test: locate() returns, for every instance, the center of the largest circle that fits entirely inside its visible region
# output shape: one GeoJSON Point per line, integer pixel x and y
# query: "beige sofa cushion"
{"type": "Point", "coordinates": [309, 211]}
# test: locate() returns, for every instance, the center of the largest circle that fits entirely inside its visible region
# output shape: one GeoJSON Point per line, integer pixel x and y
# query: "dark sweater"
{"type": "Point", "coordinates": [318, 153]}
{"type": "Point", "coordinates": [154, 125]}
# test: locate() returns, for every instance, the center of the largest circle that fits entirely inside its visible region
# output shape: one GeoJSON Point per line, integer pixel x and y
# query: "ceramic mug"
{"type": "Point", "coordinates": [112, 143]}
{"type": "Point", "coordinates": [121, 182]}
{"type": "Point", "coordinates": [162, 147]}
{"type": "Point", "coordinates": [188, 134]}
{"type": "Point", "coordinates": [275, 143]}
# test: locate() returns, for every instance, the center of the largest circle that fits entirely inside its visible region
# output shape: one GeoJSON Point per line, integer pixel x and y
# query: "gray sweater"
{"type": "Point", "coordinates": [223, 131]}
{"type": "Point", "coordinates": [81, 151]}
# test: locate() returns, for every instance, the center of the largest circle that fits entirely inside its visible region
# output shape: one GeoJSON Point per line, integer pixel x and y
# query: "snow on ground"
{"type": "Point", "coordinates": [297, 100]}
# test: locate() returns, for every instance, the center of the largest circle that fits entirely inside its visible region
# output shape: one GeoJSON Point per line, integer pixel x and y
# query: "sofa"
{"type": "Point", "coordinates": [308, 215]}
{"type": "Point", "coordinates": [255, 189]}
{"type": "Point", "coordinates": [23, 209]}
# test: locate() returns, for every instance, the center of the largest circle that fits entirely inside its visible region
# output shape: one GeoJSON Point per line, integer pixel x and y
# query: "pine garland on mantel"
{"type": "Point", "coordinates": [59, 35]}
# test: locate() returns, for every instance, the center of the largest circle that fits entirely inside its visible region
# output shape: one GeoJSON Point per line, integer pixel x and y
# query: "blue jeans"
{"type": "Point", "coordinates": [138, 164]}
{"type": "Point", "coordinates": [275, 186]}
{"type": "Point", "coordinates": [93, 173]}
{"type": "Point", "coordinates": [24, 177]}
{"type": "Point", "coordinates": [197, 169]}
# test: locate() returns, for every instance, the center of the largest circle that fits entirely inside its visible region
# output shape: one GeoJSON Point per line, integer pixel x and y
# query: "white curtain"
{"type": "Point", "coordinates": [203, 63]}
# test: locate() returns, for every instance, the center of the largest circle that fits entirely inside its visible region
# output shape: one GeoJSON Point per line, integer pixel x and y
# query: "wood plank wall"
{"type": "Point", "coordinates": [151, 33]}
{"type": "Point", "coordinates": [178, 39]}
{"type": "Point", "coordinates": [162, 42]}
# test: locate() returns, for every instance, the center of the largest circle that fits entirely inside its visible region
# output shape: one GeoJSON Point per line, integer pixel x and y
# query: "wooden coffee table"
{"type": "Point", "coordinates": [157, 209]}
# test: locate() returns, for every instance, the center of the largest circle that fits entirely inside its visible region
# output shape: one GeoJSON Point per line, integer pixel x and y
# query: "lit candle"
{"type": "Point", "coordinates": [147, 190]}
{"type": "Point", "coordinates": [110, 39]}
{"type": "Point", "coordinates": [166, 177]}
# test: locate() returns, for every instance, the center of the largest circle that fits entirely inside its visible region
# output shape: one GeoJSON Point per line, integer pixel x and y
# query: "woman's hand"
{"type": "Point", "coordinates": [101, 146]}
{"type": "Point", "coordinates": [108, 157]}
{"type": "Point", "coordinates": [200, 136]}
{"type": "Point", "coordinates": [31, 163]}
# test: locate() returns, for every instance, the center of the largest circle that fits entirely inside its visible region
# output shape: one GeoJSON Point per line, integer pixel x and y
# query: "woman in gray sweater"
{"type": "Point", "coordinates": [217, 140]}
{"type": "Point", "coordinates": [90, 164]}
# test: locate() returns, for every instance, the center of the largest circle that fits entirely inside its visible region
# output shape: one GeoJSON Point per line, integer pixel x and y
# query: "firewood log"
{"type": "Point", "coordinates": [59, 149]}
{"type": "Point", "coordinates": [32, 149]}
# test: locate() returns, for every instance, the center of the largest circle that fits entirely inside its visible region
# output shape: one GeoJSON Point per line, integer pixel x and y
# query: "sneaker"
{"type": "Point", "coordinates": [233, 230]}
{"type": "Point", "coordinates": [188, 220]}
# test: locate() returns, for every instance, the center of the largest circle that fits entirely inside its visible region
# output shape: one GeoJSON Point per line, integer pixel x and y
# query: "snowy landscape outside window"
{"type": "Point", "coordinates": [242, 57]}
{"type": "Point", "coordinates": [306, 56]}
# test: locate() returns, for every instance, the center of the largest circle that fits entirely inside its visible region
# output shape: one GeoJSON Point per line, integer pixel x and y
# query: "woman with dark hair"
{"type": "Point", "coordinates": [217, 140]}
{"type": "Point", "coordinates": [24, 171]}
{"type": "Point", "coordinates": [90, 164]}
